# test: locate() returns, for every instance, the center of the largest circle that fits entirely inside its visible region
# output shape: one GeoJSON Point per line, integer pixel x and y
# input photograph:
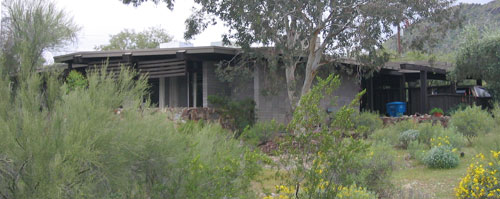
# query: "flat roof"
{"type": "Point", "coordinates": [148, 52]}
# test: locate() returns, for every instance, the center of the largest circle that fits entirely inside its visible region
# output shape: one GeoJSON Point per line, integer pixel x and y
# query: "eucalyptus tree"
{"type": "Point", "coordinates": [313, 33]}
{"type": "Point", "coordinates": [129, 39]}
{"type": "Point", "coordinates": [31, 27]}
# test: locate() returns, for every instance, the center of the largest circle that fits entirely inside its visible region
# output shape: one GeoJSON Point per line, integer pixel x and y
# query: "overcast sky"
{"type": "Point", "coordinates": [101, 18]}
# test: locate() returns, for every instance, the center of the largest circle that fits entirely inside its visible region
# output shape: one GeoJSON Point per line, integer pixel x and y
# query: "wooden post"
{"type": "Point", "coordinates": [479, 82]}
{"type": "Point", "coordinates": [402, 88]}
{"type": "Point", "coordinates": [195, 89]}
{"type": "Point", "coordinates": [161, 87]}
{"type": "Point", "coordinates": [370, 94]}
{"type": "Point", "coordinates": [423, 92]}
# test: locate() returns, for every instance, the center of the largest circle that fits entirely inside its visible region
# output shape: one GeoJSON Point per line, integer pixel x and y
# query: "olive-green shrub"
{"type": "Point", "coordinates": [58, 144]}
{"type": "Point", "coordinates": [367, 122]}
{"type": "Point", "coordinates": [441, 157]}
{"type": "Point", "coordinates": [472, 122]}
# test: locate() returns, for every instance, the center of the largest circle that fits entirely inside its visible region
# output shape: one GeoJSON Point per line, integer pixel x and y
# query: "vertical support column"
{"type": "Point", "coordinates": [173, 92]}
{"type": "Point", "coordinates": [195, 90]}
{"type": "Point", "coordinates": [479, 82]}
{"type": "Point", "coordinates": [423, 92]}
{"type": "Point", "coordinates": [205, 84]}
{"type": "Point", "coordinates": [370, 94]}
{"type": "Point", "coordinates": [402, 87]}
{"type": "Point", "coordinates": [161, 87]}
{"type": "Point", "coordinates": [256, 86]}
{"type": "Point", "coordinates": [187, 87]}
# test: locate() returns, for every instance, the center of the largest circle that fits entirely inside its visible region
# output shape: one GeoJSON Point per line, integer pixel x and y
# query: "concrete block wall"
{"type": "Point", "coordinates": [211, 84]}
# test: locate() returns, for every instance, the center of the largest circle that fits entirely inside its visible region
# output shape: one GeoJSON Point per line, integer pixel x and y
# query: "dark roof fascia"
{"type": "Point", "coordinates": [148, 52]}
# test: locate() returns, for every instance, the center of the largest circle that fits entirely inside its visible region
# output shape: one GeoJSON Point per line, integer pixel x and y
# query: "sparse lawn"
{"type": "Point", "coordinates": [411, 176]}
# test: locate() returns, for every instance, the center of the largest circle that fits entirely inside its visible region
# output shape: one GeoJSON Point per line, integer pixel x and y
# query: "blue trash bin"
{"type": "Point", "coordinates": [396, 109]}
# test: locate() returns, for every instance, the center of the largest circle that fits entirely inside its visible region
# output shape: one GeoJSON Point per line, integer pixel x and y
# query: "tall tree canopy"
{"type": "Point", "coordinates": [314, 32]}
{"type": "Point", "coordinates": [30, 27]}
{"type": "Point", "coordinates": [129, 39]}
{"type": "Point", "coordinates": [479, 58]}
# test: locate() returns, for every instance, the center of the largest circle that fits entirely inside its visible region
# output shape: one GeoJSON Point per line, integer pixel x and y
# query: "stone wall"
{"type": "Point", "coordinates": [417, 118]}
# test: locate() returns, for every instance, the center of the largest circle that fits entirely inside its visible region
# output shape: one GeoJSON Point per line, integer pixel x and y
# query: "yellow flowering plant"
{"type": "Point", "coordinates": [482, 177]}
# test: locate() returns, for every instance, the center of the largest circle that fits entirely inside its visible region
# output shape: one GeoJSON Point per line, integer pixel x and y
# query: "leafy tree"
{"type": "Point", "coordinates": [312, 33]}
{"type": "Point", "coordinates": [31, 27]}
{"type": "Point", "coordinates": [478, 58]}
{"type": "Point", "coordinates": [129, 39]}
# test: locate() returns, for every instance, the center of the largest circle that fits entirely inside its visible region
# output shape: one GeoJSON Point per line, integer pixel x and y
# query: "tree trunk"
{"type": "Point", "coordinates": [291, 86]}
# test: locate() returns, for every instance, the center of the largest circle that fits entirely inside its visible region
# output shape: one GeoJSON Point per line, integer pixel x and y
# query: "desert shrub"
{"type": "Point", "coordinates": [262, 132]}
{"type": "Point", "coordinates": [240, 113]}
{"type": "Point", "coordinates": [79, 148]}
{"type": "Point", "coordinates": [391, 133]}
{"type": "Point", "coordinates": [496, 114]}
{"type": "Point", "coordinates": [407, 136]}
{"type": "Point", "coordinates": [487, 143]}
{"type": "Point", "coordinates": [481, 180]}
{"type": "Point", "coordinates": [441, 157]}
{"type": "Point", "coordinates": [377, 169]}
{"type": "Point", "coordinates": [458, 107]}
{"type": "Point", "coordinates": [318, 153]}
{"type": "Point", "coordinates": [417, 150]}
{"type": "Point", "coordinates": [471, 122]}
{"type": "Point", "coordinates": [76, 80]}
{"type": "Point", "coordinates": [455, 139]}
{"type": "Point", "coordinates": [367, 122]}
{"type": "Point", "coordinates": [427, 131]}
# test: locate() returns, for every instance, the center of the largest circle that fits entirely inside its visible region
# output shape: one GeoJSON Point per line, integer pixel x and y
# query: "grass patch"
{"type": "Point", "coordinates": [411, 176]}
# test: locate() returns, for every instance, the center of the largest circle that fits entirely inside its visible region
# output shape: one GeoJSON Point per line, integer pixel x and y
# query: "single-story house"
{"type": "Point", "coordinates": [185, 77]}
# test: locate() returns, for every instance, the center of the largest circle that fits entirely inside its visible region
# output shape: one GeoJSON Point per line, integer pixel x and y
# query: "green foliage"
{"type": "Point", "coordinates": [441, 157]}
{"type": "Point", "coordinates": [485, 144]}
{"type": "Point", "coordinates": [417, 150]}
{"type": "Point", "coordinates": [435, 111]}
{"type": "Point", "coordinates": [355, 192]}
{"type": "Point", "coordinates": [471, 122]}
{"type": "Point", "coordinates": [129, 39]}
{"type": "Point", "coordinates": [262, 132]}
{"type": "Point", "coordinates": [479, 59]}
{"type": "Point", "coordinates": [76, 80]}
{"type": "Point", "coordinates": [319, 155]}
{"type": "Point", "coordinates": [458, 107]}
{"type": "Point", "coordinates": [240, 113]}
{"type": "Point", "coordinates": [31, 27]}
{"type": "Point", "coordinates": [408, 136]}
{"type": "Point", "coordinates": [391, 133]}
{"type": "Point", "coordinates": [377, 169]}
{"type": "Point", "coordinates": [496, 114]}
{"type": "Point", "coordinates": [311, 37]}
{"type": "Point", "coordinates": [58, 144]}
{"type": "Point", "coordinates": [455, 139]}
{"type": "Point", "coordinates": [427, 131]}
{"type": "Point", "coordinates": [367, 122]}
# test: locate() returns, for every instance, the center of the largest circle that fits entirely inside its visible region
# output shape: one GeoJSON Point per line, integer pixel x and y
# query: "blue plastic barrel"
{"type": "Point", "coordinates": [396, 109]}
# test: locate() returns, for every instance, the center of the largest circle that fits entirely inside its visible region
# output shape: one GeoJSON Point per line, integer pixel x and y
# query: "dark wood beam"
{"type": "Point", "coordinates": [422, 68]}
{"type": "Point", "coordinates": [390, 72]}
{"type": "Point", "coordinates": [402, 87]}
{"type": "Point", "coordinates": [370, 94]}
{"type": "Point", "coordinates": [423, 92]}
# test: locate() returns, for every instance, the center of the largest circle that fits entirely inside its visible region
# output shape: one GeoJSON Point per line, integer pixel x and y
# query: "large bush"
{"type": "Point", "coordinates": [240, 113]}
{"type": "Point", "coordinates": [58, 144]}
{"type": "Point", "coordinates": [408, 136]}
{"type": "Point", "coordinates": [320, 154]}
{"type": "Point", "coordinates": [262, 132]}
{"type": "Point", "coordinates": [367, 122]}
{"type": "Point", "coordinates": [441, 157]}
{"type": "Point", "coordinates": [472, 121]}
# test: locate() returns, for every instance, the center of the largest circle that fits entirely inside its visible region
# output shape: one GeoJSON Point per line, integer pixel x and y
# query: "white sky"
{"type": "Point", "coordinates": [101, 18]}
